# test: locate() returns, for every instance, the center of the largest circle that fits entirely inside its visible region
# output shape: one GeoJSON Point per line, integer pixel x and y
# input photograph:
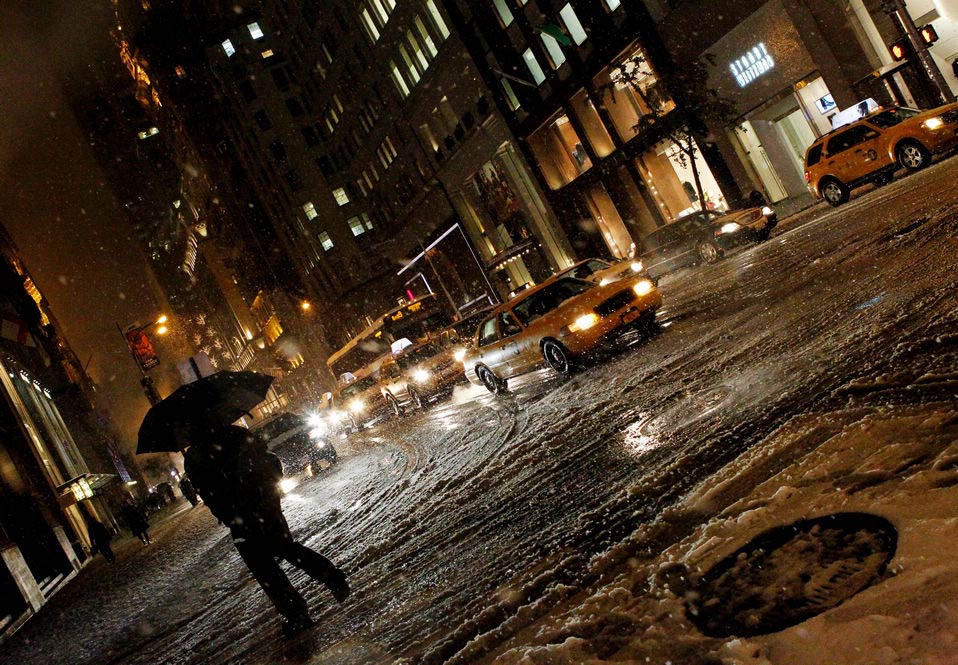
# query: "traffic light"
{"type": "Point", "coordinates": [900, 50]}
{"type": "Point", "coordinates": [928, 34]}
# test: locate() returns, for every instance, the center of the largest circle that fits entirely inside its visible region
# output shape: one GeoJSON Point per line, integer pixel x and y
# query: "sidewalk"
{"type": "Point", "coordinates": [899, 463]}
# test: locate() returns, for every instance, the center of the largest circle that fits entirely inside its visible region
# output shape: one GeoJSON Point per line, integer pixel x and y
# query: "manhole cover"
{"type": "Point", "coordinates": [791, 573]}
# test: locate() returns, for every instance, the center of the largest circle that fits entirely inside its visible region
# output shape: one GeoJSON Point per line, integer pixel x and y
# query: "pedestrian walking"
{"type": "Point", "coordinates": [238, 480]}
{"type": "Point", "coordinates": [137, 522]}
{"type": "Point", "coordinates": [100, 538]}
{"type": "Point", "coordinates": [189, 491]}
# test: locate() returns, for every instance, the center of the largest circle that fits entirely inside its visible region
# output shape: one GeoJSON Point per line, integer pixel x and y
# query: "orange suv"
{"type": "Point", "coordinates": [873, 148]}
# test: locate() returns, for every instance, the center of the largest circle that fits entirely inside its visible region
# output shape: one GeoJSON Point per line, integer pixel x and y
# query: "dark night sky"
{"type": "Point", "coordinates": [71, 230]}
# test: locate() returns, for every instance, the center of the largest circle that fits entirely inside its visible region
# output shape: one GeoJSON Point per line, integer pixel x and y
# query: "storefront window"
{"type": "Point", "coordinates": [625, 102]}
{"type": "Point", "coordinates": [595, 131]}
{"type": "Point", "coordinates": [671, 182]}
{"type": "Point", "coordinates": [559, 152]}
{"type": "Point", "coordinates": [608, 220]}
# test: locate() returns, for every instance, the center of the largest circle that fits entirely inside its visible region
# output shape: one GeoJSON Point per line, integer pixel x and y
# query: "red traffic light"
{"type": "Point", "coordinates": [900, 50]}
{"type": "Point", "coordinates": [928, 34]}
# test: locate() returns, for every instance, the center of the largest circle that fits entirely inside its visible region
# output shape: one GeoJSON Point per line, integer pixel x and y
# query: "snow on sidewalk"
{"type": "Point", "coordinates": [900, 463]}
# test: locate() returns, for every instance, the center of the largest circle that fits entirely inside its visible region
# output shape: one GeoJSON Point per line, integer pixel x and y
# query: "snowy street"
{"type": "Point", "coordinates": [470, 529]}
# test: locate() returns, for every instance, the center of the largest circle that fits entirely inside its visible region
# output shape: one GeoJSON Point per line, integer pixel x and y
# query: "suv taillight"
{"type": "Point", "coordinates": [808, 177]}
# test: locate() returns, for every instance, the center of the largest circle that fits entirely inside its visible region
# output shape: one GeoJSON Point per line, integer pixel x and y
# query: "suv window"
{"type": "Point", "coordinates": [814, 155]}
{"type": "Point", "coordinates": [850, 138]}
{"type": "Point", "coordinates": [487, 334]}
{"type": "Point", "coordinates": [390, 371]}
{"type": "Point", "coordinates": [508, 325]}
{"type": "Point", "coordinates": [891, 117]}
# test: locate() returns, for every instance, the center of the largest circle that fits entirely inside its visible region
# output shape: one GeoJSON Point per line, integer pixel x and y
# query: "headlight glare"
{"type": "Point", "coordinates": [459, 355]}
{"type": "Point", "coordinates": [934, 123]}
{"type": "Point", "coordinates": [642, 287]}
{"type": "Point", "coordinates": [421, 376]}
{"type": "Point", "coordinates": [584, 322]}
{"type": "Point", "coordinates": [603, 281]}
{"type": "Point", "coordinates": [287, 485]}
{"type": "Point", "coordinates": [731, 227]}
{"type": "Point", "coordinates": [637, 266]}
{"type": "Point", "coordinates": [767, 211]}
{"type": "Point", "coordinates": [317, 432]}
{"type": "Point", "coordinates": [357, 406]}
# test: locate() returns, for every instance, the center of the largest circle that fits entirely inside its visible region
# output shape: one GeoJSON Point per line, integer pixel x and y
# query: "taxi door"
{"type": "Point", "coordinates": [493, 351]}
{"type": "Point", "coordinates": [855, 153]}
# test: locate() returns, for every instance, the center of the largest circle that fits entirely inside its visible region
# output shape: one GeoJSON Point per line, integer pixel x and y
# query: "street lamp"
{"type": "Point", "coordinates": [305, 305]}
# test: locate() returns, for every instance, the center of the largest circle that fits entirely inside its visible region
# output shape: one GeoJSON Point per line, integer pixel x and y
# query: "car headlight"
{"type": "Point", "coordinates": [584, 322]}
{"type": "Point", "coordinates": [767, 211]}
{"type": "Point", "coordinates": [315, 420]}
{"type": "Point", "coordinates": [642, 287]}
{"type": "Point", "coordinates": [287, 485]}
{"type": "Point", "coordinates": [357, 406]}
{"type": "Point", "coordinates": [337, 416]}
{"type": "Point", "coordinates": [459, 355]}
{"type": "Point", "coordinates": [933, 123]}
{"type": "Point", "coordinates": [731, 227]}
{"type": "Point", "coordinates": [604, 281]}
{"type": "Point", "coordinates": [421, 376]}
{"type": "Point", "coordinates": [317, 432]}
{"type": "Point", "coordinates": [320, 444]}
{"type": "Point", "coordinates": [637, 266]}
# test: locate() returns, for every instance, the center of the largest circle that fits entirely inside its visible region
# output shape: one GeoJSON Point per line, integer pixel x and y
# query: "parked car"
{"type": "Point", "coordinates": [874, 148]}
{"type": "Point", "coordinates": [303, 451]}
{"type": "Point", "coordinates": [705, 236]}
{"type": "Point", "coordinates": [365, 401]}
{"type": "Point", "coordinates": [421, 373]}
{"type": "Point", "coordinates": [604, 272]}
{"type": "Point", "coordinates": [555, 323]}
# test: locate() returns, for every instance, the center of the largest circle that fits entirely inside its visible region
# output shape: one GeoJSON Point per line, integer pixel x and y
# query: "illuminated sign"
{"type": "Point", "coordinates": [752, 65]}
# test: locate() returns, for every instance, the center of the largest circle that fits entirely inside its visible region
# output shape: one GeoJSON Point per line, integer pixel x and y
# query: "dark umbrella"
{"type": "Point", "coordinates": [215, 400]}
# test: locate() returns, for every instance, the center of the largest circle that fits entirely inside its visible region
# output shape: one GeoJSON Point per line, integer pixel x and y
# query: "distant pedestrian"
{"type": "Point", "coordinates": [239, 482]}
{"type": "Point", "coordinates": [100, 538]}
{"type": "Point", "coordinates": [189, 491]}
{"type": "Point", "coordinates": [136, 521]}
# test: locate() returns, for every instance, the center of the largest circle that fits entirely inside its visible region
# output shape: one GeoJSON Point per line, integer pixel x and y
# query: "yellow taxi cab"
{"type": "Point", "coordinates": [874, 147]}
{"type": "Point", "coordinates": [420, 373]}
{"type": "Point", "coordinates": [555, 322]}
{"type": "Point", "coordinates": [604, 272]}
{"type": "Point", "coordinates": [365, 401]}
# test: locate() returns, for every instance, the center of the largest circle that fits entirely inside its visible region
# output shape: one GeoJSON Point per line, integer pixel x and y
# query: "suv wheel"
{"type": "Point", "coordinates": [394, 405]}
{"type": "Point", "coordinates": [834, 191]}
{"type": "Point", "coordinates": [912, 155]}
{"type": "Point", "coordinates": [415, 398]}
{"type": "Point", "coordinates": [708, 251]}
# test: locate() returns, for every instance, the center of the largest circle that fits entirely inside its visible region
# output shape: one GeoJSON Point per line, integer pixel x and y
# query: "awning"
{"type": "Point", "coordinates": [511, 254]}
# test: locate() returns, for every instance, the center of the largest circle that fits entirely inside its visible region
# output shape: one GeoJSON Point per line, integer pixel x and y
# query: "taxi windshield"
{"type": "Point", "coordinates": [892, 117]}
{"type": "Point", "coordinates": [549, 298]}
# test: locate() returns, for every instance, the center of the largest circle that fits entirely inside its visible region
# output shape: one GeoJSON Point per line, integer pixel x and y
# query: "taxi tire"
{"type": "Point", "coordinates": [415, 398]}
{"type": "Point", "coordinates": [912, 155]}
{"type": "Point", "coordinates": [394, 405]}
{"type": "Point", "coordinates": [834, 191]}
{"type": "Point", "coordinates": [493, 383]}
{"type": "Point", "coordinates": [557, 356]}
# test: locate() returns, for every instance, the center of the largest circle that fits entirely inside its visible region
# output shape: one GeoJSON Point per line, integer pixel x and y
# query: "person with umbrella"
{"type": "Point", "coordinates": [238, 480]}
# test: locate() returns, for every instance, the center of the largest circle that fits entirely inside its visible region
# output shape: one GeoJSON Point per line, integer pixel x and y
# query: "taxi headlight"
{"type": "Point", "coordinates": [421, 376]}
{"type": "Point", "coordinates": [315, 421]}
{"type": "Point", "coordinates": [287, 485]}
{"type": "Point", "coordinates": [604, 281]}
{"type": "Point", "coordinates": [767, 211]}
{"type": "Point", "coordinates": [637, 266]}
{"type": "Point", "coordinates": [320, 444]}
{"type": "Point", "coordinates": [459, 355]}
{"type": "Point", "coordinates": [337, 416]}
{"type": "Point", "coordinates": [357, 406]}
{"type": "Point", "coordinates": [933, 123]}
{"type": "Point", "coordinates": [642, 287]}
{"type": "Point", "coordinates": [731, 227]}
{"type": "Point", "coordinates": [584, 322]}
{"type": "Point", "coordinates": [317, 432]}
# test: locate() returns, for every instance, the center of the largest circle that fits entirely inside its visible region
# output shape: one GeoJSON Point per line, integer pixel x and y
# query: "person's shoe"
{"type": "Point", "coordinates": [294, 626]}
{"type": "Point", "coordinates": [336, 582]}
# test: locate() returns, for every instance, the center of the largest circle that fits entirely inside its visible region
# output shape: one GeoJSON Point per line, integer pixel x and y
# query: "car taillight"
{"type": "Point", "coordinates": [808, 177]}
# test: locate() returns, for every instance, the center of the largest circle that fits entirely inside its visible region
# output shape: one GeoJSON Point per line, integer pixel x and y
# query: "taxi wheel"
{"type": "Point", "coordinates": [834, 191]}
{"type": "Point", "coordinates": [493, 383]}
{"type": "Point", "coordinates": [912, 155]}
{"type": "Point", "coordinates": [394, 405]}
{"type": "Point", "coordinates": [557, 356]}
{"type": "Point", "coordinates": [415, 398]}
{"type": "Point", "coordinates": [708, 251]}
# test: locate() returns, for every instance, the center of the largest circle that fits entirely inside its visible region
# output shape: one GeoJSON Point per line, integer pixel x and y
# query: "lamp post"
{"type": "Point", "coordinates": [141, 350]}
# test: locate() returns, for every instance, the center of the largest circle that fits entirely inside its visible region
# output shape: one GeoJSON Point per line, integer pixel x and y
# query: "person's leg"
{"type": "Point", "coordinates": [262, 564]}
{"type": "Point", "coordinates": [316, 566]}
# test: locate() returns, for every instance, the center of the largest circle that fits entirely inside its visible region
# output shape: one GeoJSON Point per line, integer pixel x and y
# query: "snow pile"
{"type": "Point", "coordinates": [899, 463]}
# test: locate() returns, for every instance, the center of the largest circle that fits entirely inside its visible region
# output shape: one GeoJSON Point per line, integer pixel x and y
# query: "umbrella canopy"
{"type": "Point", "coordinates": [218, 399]}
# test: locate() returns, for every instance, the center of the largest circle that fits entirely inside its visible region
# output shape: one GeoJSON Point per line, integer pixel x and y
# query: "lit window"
{"type": "Point", "coordinates": [342, 198]}
{"type": "Point", "coordinates": [413, 72]}
{"type": "Point", "coordinates": [510, 94]}
{"type": "Point", "coordinates": [310, 210]}
{"type": "Point", "coordinates": [380, 11]}
{"type": "Point", "coordinates": [556, 56]}
{"type": "Point", "coordinates": [437, 19]}
{"type": "Point", "coordinates": [228, 48]}
{"type": "Point", "coordinates": [417, 50]}
{"type": "Point", "coordinates": [356, 226]}
{"type": "Point", "coordinates": [180, 72]}
{"type": "Point", "coordinates": [255, 31]}
{"type": "Point", "coordinates": [505, 14]}
{"type": "Point", "coordinates": [326, 241]}
{"type": "Point", "coordinates": [613, 4]}
{"type": "Point", "coordinates": [426, 37]}
{"type": "Point", "coordinates": [371, 29]}
{"type": "Point", "coordinates": [268, 53]}
{"type": "Point", "coordinates": [398, 79]}
{"type": "Point", "coordinates": [368, 222]}
{"type": "Point", "coordinates": [147, 133]}
{"type": "Point", "coordinates": [572, 24]}
{"type": "Point", "coordinates": [530, 59]}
